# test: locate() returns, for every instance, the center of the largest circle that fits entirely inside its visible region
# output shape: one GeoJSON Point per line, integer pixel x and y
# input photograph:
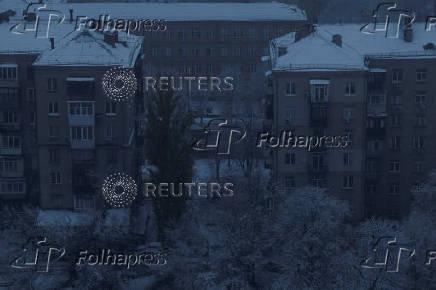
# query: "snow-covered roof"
{"type": "Point", "coordinates": [194, 11]}
{"type": "Point", "coordinates": [28, 42]}
{"type": "Point", "coordinates": [317, 52]}
{"type": "Point", "coordinates": [88, 48]}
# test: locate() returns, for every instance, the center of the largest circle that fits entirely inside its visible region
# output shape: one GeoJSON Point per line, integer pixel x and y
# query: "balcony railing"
{"type": "Point", "coordinates": [376, 132]}
{"type": "Point", "coordinates": [10, 126]}
{"type": "Point", "coordinates": [10, 151]}
{"type": "Point", "coordinates": [82, 144]}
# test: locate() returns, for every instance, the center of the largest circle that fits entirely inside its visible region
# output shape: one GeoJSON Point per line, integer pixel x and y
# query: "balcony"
{"type": "Point", "coordinates": [12, 188]}
{"type": "Point", "coordinates": [318, 114]}
{"type": "Point", "coordinates": [10, 151]}
{"type": "Point", "coordinates": [81, 120]}
{"type": "Point", "coordinates": [376, 132]}
{"type": "Point", "coordinates": [82, 144]}
{"type": "Point", "coordinates": [376, 110]}
{"type": "Point", "coordinates": [10, 126]}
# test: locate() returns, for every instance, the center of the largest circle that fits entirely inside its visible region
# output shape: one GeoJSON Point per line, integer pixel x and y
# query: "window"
{"type": "Point", "coordinates": [81, 108]}
{"type": "Point", "coordinates": [181, 35]}
{"type": "Point", "coordinates": [182, 51]}
{"type": "Point", "coordinates": [394, 188]}
{"type": "Point", "coordinates": [111, 108]}
{"type": "Point", "coordinates": [12, 187]}
{"type": "Point", "coordinates": [168, 51]}
{"type": "Point", "coordinates": [252, 68]}
{"type": "Point", "coordinates": [197, 68]}
{"type": "Point", "coordinates": [289, 182]}
{"type": "Point", "coordinates": [418, 143]}
{"type": "Point", "coordinates": [291, 113]}
{"type": "Point", "coordinates": [210, 51]}
{"type": "Point", "coordinates": [350, 89]}
{"type": "Point", "coordinates": [320, 93]}
{"type": "Point", "coordinates": [8, 165]}
{"type": "Point", "coordinates": [210, 68]}
{"type": "Point", "coordinates": [154, 51]}
{"type": "Point", "coordinates": [54, 131]}
{"type": "Point", "coordinates": [82, 133]}
{"type": "Point", "coordinates": [195, 52]}
{"type": "Point", "coordinates": [53, 109]}
{"type": "Point", "coordinates": [266, 33]}
{"type": "Point", "coordinates": [397, 76]}
{"type": "Point", "coordinates": [349, 135]}
{"type": "Point", "coordinates": [347, 182]}
{"type": "Point", "coordinates": [224, 51]}
{"type": "Point", "coordinates": [55, 177]}
{"type": "Point", "coordinates": [54, 156]}
{"type": "Point", "coordinates": [31, 95]}
{"type": "Point", "coordinates": [291, 88]}
{"type": "Point", "coordinates": [52, 84]}
{"type": "Point", "coordinates": [224, 33]}
{"type": "Point", "coordinates": [252, 32]}
{"type": "Point", "coordinates": [237, 33]}
{"type": "Point", "coordinates": [210, 35]}
{"type": "Point", "coordinates": [346, 159]}
{"type": "Point", "coordinates": [421, 75]}
{"type": "Point", "coordinates": [10, 117]}
{"type": "Point", "coordinates": [290, 158]}
{"type": "Point", "coordinates": [395, 143]}
{"type": "Point", "coordinates": [394, 166]}
{"type": "Point", "coordinates": [251, 51]}
{"type": "Point", "coordinates": [110, 131]}
{"type": "Point", "coordinates": [395, 120]}
{"type": "Point", "coordinates": [111, 156]}
{"type": "Point", "coordinates": [11, 142]}
{"type": "Point", "coordinates": [420, 121]}
{"type": "Point", "coordinates": [317, 162]}
{"type": "Point", "coordinates": [420, 98]}
{"type": "Point", "coordinates": [418, 166]}
{"type": "Point", "coordinates": [8, 95]}
{"type": "Point", "coordinates": [348, 114]}
{"type": "Point", "coordinates": [196, 33]}
{"type": "Point", "coordinates": [8, 72]}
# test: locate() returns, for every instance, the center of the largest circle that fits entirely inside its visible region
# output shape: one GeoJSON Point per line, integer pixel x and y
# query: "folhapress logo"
{"type": "Point", "coordinates": [43, 20]}
{"type": "Point", "coordinates": [384, 15]}
{"type": "Point", "coordinates": [219, 143]}
{"type": "Point", "coordinates": [50, 255]}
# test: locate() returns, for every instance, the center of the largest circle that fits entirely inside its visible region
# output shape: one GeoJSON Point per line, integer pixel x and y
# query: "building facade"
{"type": "Point", "coordinates": [83, 136]}
{"type": "Point", "coordinates": [374, 90]}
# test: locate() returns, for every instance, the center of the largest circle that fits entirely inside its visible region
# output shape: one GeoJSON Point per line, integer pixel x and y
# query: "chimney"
{"type": "Point", "coordinates": [71, 15]}
{"type": "Point", "coordinates": [111, 37]}
{"type": "Point", "coordinates": [52, 42]}
{"type": "Point", "coordinates": [337, 39]}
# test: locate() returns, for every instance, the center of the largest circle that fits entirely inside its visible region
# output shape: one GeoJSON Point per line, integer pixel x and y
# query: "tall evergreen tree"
{"type": "Point", "coordinates": [168, 148]}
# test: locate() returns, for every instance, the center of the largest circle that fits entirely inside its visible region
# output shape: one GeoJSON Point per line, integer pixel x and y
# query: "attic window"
{"type": "Point", "coordinates": [429, 46]}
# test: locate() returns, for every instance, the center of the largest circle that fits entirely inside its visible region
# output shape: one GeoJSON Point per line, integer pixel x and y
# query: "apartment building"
{"type": "Point", "coordinates": [18, 152]}
{"type": "Point", "coordinates": [83, 136]}
{"type": "Point", "coordinates": [206, 39]}
{"type": "Point", "coordinates": [375, 90]}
